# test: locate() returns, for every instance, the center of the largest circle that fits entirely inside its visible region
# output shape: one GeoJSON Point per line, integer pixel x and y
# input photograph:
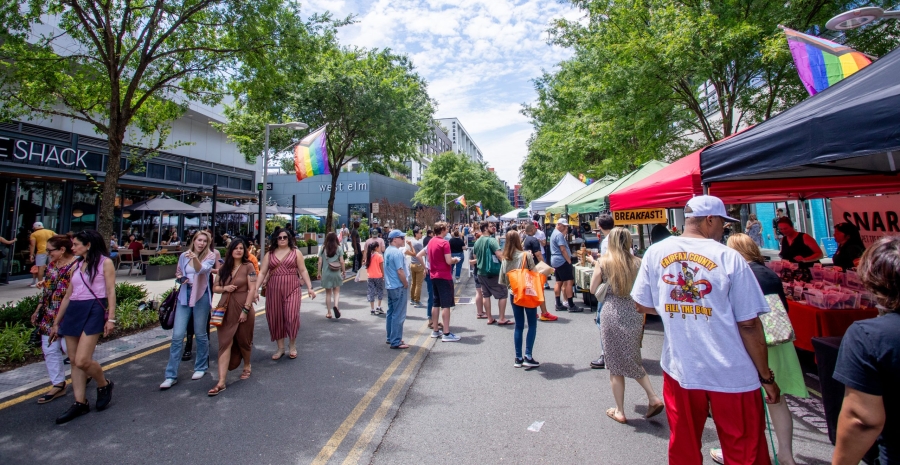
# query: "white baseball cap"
{"type": "Point", "coordinates": [706, 205]}
{"type": "Point", "coordinates": [37, 225]}
{"type": "Point", "coordinates": [562, 221]}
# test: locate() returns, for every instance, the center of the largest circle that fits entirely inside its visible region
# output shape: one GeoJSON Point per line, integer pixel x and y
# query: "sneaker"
{"type": "Point", "coordinates": [76, 410]}
{"type": "Point", "coordinates": [450, 337]}
{"type": "Point", "coordinates": [531, 363]}
{"type": "Point", "coordinates": [598, 364]}
{"type": "Point", "coordinates": [104, 395]}
{"type": "Point", "coordinates": [575, 309]}
{"type": "Point", "coordinates": [518, 363]}
{"type": "Point", "coordinates": [186, 356]}
{"type": "Point", "coordinates": [379, 311]}
{"type": "Point", "coordinates": [169, 382]}
{"type": "Point", "coordinates": [436, 334]}
{"type": "Point", "coordinates": [716, 455]}
{"type": "Point", "coordinates": [197, 375]}
{"type": "Point", "coordinates": [562, 308]}
{"type": "Point", "coordinates": [34, 285]}
{"type": "Point", "coordinates": [372, 312]}
{"type": "Point", "coordinates": [548, 317]}
{"type": "Point", "coordinates": [457, 280]}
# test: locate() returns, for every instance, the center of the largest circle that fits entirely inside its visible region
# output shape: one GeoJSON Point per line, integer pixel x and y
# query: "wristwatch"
{"type": "Point", "coordinates": [769, 380]}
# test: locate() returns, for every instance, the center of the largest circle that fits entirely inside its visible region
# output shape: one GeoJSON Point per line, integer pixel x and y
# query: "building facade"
{"type": "Point", "coordinates": [51, 171]}
{"type": "Point", "coordinates": [355, 192]}
{"type": "Point", "coordinates": [460, 139]}
{"type": "Point", "coordinates": [437, 142]}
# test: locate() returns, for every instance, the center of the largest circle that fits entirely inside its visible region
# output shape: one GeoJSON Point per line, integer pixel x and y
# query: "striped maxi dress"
{"type": "Point", "coordinates": [283, 297]}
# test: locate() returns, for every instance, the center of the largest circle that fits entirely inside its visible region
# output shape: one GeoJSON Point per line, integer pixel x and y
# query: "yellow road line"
{"type": "Point", "coordinates": [37, 392]}
{"type": "Point", "coordinates": [366, 437]}
{"type": "Point", "coordinates": [817, 393]}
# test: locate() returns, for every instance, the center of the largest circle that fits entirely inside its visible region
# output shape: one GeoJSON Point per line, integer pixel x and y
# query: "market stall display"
{"type": "Point", "coordinates": [810, 322]}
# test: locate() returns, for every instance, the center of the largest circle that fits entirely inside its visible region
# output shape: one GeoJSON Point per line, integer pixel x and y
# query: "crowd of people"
{"type": "Point", "coordinates": [709, 297]}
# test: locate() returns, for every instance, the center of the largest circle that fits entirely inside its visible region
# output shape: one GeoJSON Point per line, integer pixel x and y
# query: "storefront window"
{"type": "Point", "coordinates": [84, 208]}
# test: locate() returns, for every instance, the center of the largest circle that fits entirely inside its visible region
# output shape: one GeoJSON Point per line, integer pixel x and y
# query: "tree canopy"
{"type": "Point", "coordinates": [654, 79]}
{"type": "Point", "coordinates": [456, 172]}
{"type": "Point", "coordinates": [376, 108]}
{"type": "Point", "coordinates": [130, 68]}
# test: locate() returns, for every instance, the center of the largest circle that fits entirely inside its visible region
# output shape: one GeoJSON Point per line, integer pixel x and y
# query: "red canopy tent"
{"type": "Point", "coordinates": [670, 187]}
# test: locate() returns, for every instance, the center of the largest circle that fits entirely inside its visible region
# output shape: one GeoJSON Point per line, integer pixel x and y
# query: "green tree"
{"type": "Point", "coordinates": [376, 108]}
{"type": "Point", "coordinates": [132, 67]}
{"type": "Point", "coordinates": [454, 172]}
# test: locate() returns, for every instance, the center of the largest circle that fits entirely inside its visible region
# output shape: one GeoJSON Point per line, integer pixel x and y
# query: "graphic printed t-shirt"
{"type": "Point", "coordinates": [869, 361]}
{"type": "Point", "coordinates": [373, 269]}
{"type": "Point", "coordinates": [393, 261]}
{"type": "Point", "coordinates": [701, 290]}
{"type": "Point", "coordinates": [437, 248]}
{"type": "Point", "coordinates": [41, 236]}
{"type": "Point", "coordinates": [485, 256]}
{"type": "Point", "coordinates": [557, 243]}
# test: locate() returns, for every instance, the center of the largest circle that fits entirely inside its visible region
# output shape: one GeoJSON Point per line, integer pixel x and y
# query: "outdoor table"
{"type": "Point", "coordinates": [810, 322]}
{"type": "Point", "coordinates": [583, 277]}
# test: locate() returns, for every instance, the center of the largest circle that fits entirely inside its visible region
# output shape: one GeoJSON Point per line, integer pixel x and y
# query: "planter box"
{"type": "Point", "coordinates": [308, 236]}
{"type": "Point", "coordinates": [313, 250]}
{"type": "Point", "coordinates": [161, 272]}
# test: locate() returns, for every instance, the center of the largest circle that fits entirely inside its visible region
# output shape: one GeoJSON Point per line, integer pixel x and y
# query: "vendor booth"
{"type": "Point", "coordinates": [566, 186]}
{"type": "Point", "coordinates": [597, 200]}
{"type": "Point", "coordinates": [560, 207]}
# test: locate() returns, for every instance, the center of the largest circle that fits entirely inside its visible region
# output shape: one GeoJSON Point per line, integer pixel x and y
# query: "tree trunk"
{"type": "Point", "coordinates": [329, 218]}
{"type": "Point", "coordinates": [111, 184]}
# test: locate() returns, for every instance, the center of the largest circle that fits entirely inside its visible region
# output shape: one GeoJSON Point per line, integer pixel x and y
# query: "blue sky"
{"type": "Point", "coordinates": [478, 57]}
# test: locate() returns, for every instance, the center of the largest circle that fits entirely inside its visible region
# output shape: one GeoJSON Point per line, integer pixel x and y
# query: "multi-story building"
{"type": "Point", "coordinates": [461, 141]}
{"type": "Point", "coordinates": [435, 143]}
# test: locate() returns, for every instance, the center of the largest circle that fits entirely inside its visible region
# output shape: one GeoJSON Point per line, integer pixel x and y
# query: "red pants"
{"type": "Point", "coordinates": [739, 418]}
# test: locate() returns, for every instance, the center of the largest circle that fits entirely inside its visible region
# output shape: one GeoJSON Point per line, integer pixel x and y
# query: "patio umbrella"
{"type": "Point", "coordinates": [163, 204]}
{"type": "Point", "coordinates": [206, 207]}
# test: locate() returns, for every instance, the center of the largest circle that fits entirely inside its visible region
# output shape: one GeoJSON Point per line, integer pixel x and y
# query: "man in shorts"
{"type": "Point", "coordinates": [531, 244]}
{"type": "Point", "coordinates": [488, 257]}
{"type": "Point", "coordinates": [38, 250]}
{"type": "Point", "coordinates": [440, 263]}
{"type": "Point", "coordinates": [561, 261]}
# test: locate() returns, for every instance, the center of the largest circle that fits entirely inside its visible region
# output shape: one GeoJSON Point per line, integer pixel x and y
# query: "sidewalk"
{"type": "Point", "coordinates": [30, 377]}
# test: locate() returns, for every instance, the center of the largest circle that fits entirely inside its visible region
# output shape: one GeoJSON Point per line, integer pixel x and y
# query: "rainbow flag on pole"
{"type": "Point", "coordinates": [461, 200]}
{"type": "Point", "coordinates": [822, 63]}
{"type": "Point", "coordinates": [478, 209]}
{"type": "Point", "coordinates": [311, 155]}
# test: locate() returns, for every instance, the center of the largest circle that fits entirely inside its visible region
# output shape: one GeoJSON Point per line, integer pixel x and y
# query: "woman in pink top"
{"type": "Point", "coordinates": [375, 271]}
{"type": "Point", "coordinates": [87, 310]}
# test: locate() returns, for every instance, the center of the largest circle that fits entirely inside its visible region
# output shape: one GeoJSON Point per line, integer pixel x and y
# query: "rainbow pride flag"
{"type": "Point", "coordinates": [311, 155]}
{"type": "Point", "coordinates": [461, 200]}
{"type": "Point", "coordinates": [478, 209]}
{"type": "Point", "coordinates": [822, 63]}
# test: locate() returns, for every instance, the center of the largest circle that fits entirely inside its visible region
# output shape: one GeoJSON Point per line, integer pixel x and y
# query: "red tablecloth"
{"type": "Point", "coordinates": [810, 322]}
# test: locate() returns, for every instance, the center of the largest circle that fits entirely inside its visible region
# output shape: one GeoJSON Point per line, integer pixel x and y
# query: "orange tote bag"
{"type": "Point", "coordinates": [527, 286]}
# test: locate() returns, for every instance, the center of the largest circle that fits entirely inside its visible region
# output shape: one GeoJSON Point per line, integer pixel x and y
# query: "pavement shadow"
{"type": "Point", "coordinates": [809, 460]}
{"type": "Point", "coordinates": [652, 367]}
{"type": "Point", "coordinates": [553, 371]}
{"type": "Point", "coordinates": [470, 340]}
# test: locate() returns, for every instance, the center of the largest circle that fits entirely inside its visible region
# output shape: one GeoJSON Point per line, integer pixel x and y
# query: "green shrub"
{"type": "Point", "coordinates": [14, 343]}
{"type": "Point", "coordinates": [164, 259]}
{"type": "Point", "coordinates": [312, 243]}
{"type": "Point", "coordinates": [19, 312]}
{"type": "Point", "coordinates": [127, 291]}
{"type": "Point", "coordinates": [222, 251]}
{"type": "Point", "coordinates": [312, 266]}
{"type": "Point", "coordinates": [129, 317]}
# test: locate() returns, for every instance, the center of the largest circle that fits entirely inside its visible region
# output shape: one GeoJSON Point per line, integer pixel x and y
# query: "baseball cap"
{"type": "Point", "coordinates": [37, 225]}
{"type": "Point", "coordinates": [706, 205]}
{"type": "Point", "coordinates": [562, 221]}
{"type": "Point", "coordinates": [395, 234]}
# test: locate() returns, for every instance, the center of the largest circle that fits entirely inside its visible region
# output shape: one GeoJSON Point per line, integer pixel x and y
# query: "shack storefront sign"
{"type": "Point", "coordinates": [37, 153]}
{"type": "Point", "coordinates": [874, 216]}
{"type": "Point", "coordinates": [643, 216]}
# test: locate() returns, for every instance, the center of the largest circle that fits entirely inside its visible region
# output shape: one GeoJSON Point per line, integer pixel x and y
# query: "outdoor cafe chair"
{"type": "Point", "coordinates": [126, 256]}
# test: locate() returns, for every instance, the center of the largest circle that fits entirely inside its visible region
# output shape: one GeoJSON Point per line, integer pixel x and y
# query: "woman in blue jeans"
{"type": "Point", "coordinates": [513, 254]}
{"type": "Point", "coordinates": [194, 297]}
{"type": "Point", "coordinates": [458, 250]}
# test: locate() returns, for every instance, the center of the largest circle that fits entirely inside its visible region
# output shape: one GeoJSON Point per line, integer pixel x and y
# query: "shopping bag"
{"type": "Point", "coordinates": [527, 286]}
{"type": "Point", "coordinates": [362, 275]}
{"type": "Point", "coordinates": [776, 323]}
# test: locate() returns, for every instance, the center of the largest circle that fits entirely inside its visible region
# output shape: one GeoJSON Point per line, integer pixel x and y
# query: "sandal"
{"type": "Point", "coordinates": [481, 316]}
{"type": "Point", "coordinates": [245, 374]}
{"type": "Point", "coordinates": [611, 412]}
{"type": "Point", "coordinates": [401, 346]}
{"type": "Point", "coordinates": [278, 355]}
{"type": "Point", "coordinates": [215, 391]}
{"type": "Point", "coordinates": [53, 395]}
{"type": "Point", "coordinates": [654, 410]}
{"type": "Point", "coordinates": [505, 323]}
{"type": "Point", "coordinates": [337, 313]}
{"type": "Point", "coordinates": [328, 316]}
{"type": "Point", "coordinates": [490, 322]}
{"type": "Point", "coordinates": [292, 354]}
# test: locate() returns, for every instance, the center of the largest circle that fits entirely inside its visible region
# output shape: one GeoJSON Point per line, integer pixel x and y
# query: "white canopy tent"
{"type": "Point", "coordinates": [511, 215]}
{"type": "Point", "coordinates": [566, 186]}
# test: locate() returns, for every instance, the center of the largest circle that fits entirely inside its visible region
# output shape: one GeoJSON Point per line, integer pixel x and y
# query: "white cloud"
{"type": "Point", "coordinates": [477, 55]}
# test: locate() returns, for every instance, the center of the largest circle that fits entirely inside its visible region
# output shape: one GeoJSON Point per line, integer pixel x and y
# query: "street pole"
{"type": "Point", "coordinates": [212, 221]}
{"type": "Point", "coordinates": [294, 213]}
{"type": "Point", "coordinates": [259, 221]}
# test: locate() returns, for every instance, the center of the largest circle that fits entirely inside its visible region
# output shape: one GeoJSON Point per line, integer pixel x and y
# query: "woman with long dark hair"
{"type": "Point", "coordinates": [194, 297]}
{"type": "Point", "coordinates": [513, 255]}
{"type": "Point", "coordinates": [332, 273]}
{"type": "Point", "coordinates": [280, 273]}
{"type": "Point", "coordinates": [87, 310]}
{"type": "Point", "coordinates": [375, 283]}
{"type": "Point", "coordinates": [850, 245]}
{"type": "Point", "coordinates": [237, 284]}
{"type": "Point", "coordinates": [55, 285]}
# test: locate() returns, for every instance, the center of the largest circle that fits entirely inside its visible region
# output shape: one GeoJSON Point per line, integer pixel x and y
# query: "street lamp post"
{"type": "Point", "coordinates": [445, 203]}
{"type": "Point", "coordinates": [859, 17]}
{"type": "Point", "coordinates": [262, 207]}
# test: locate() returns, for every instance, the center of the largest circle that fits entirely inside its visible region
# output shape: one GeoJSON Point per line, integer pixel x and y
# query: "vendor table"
{"type": "Point", "coordinates": [583, 277]}
{"type": "Point", "coordinates": [810, 322]}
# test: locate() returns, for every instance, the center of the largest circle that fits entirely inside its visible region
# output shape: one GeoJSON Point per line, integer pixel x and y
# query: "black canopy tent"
{"type": "Point", "coordinates": [850, 129]}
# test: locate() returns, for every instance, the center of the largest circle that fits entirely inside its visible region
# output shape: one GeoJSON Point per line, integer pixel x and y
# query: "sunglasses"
{"type": "Point", "coordinates": [282, 238]}
{"type": "Point", "coordinates": [51, 250]}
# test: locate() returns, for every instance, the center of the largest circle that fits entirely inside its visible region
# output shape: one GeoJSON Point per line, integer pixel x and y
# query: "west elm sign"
{"type": "Point", "coordinates": [47, 154]}
{"type": "Point", "coordinates": [350, 186]}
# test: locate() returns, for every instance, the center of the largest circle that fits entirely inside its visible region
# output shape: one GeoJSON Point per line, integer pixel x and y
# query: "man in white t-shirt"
{"type": "Point", "coordinates": [542, 238]}
{"type": "Point", "coordinates": [714, 354]}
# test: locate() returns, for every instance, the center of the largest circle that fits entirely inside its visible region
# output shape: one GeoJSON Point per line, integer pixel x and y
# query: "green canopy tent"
{"type": "Point", "coordinates": [560, 207]}
{"type": "Point", "coordinates": [599, 199]}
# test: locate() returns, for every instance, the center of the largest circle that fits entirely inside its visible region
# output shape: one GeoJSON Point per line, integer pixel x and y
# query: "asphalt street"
{"type": "Point", "coordinates": [349, 399]}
